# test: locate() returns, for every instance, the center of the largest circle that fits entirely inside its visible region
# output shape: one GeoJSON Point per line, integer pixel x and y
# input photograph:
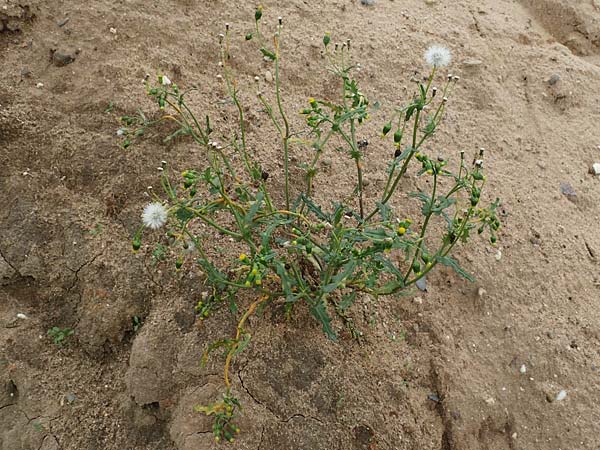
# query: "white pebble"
{"type": "Point", "coordinates": [418, 300]}
{"type": "Point", "coordinates": [498, 255]}
{"type": "Point", "coordinates": [595, 169]}
{"type": "Point", "coordinates": [561, 395]}
{"type": "Point", "coordinates": [268, 77]}
{"type": "Point", "coordinates": [21, 316]}
{"type": "Point", "coordinates": [39, 85]}
{"type": "Point", "coordinates": [113, 30]}
{"type": "Point", "coordinates": [523, 369]}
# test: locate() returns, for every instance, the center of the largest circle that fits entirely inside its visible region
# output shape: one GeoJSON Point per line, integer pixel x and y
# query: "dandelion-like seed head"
{"type": "Point", "coordinates": [154, 215]}
{"type": "Point", "coordinates": [438, 56]}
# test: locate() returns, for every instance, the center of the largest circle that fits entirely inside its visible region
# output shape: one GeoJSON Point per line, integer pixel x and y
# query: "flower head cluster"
{"type": "Point", "coordinates": [154, 215]}
{"type": "Point", "coordinates": [438, 56]}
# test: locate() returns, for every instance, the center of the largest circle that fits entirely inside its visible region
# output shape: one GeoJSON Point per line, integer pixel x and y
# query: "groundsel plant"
{"type": "Point", "coordinates": [290, 250]}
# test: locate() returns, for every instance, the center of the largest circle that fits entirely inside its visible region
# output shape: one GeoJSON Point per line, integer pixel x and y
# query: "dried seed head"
{"type": "Point", "coordinates": [438, 56]}
{"type": "Point", "coordinates": [280, 20]}
{"type": "Point", "coordinates": [445, 99]}
{"type": "Point", "coordinates": [456, 78]}
{"type": "Point", "coordinates": [227, 26]}
{"type": "Point", "coordinates": [154, 215]}
{"type": "Point", "coordinates": [434, 91]}
{"type": "Point", "coordinates": [450, 77]}
{"type": "Point", "coordinates": [257, 79]}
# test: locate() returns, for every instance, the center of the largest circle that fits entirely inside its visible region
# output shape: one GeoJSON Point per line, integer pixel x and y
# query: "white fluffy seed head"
{"type": "Point", "coordinates": [438, 56]}
{"type": "Point", "coordinates": [154, 215]}
{"type": "Point", "coordinates": [165, 80]}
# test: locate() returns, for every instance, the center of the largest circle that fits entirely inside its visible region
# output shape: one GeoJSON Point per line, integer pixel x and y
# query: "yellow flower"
{"type": "Point", "coordinates": [401, 230]}
{"type": "Point", "coordinates": [243, 257]}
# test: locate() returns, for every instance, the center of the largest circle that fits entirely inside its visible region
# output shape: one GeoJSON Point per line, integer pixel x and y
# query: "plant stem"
{"type": "Point", "coordinates": [285, 136]}
{"type": "Point", "coordinates": [424, 227]}
{"type": "Point", "coordinates": [238, 334]}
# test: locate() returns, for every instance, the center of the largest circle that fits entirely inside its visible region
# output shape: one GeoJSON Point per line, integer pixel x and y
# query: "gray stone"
{"type": "Point", "coordinates": [61, 58]}
{"type": "Point", "coordinates": [555, 78]}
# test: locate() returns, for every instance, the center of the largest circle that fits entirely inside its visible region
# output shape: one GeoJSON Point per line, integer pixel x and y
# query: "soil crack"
{"type": "Point", "coordinates": [76, 271]}
{"type": "Point", "coordinates": [10, 264]}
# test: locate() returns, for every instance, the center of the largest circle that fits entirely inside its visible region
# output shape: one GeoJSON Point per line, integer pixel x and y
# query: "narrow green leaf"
{"type": "Point", "coordinates": [319, 311]}
{"type": "Point", "coordinates": [450, 262]}
{"type": "Point", "coordinates": [268, 54]}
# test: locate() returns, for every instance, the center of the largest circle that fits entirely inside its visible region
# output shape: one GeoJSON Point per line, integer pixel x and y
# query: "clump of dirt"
{"type": "Point", "coordinates": [461, 366]}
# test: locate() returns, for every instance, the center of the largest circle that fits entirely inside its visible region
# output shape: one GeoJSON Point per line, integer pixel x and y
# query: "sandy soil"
{"type": "Point", "coordinates": [436, 370]}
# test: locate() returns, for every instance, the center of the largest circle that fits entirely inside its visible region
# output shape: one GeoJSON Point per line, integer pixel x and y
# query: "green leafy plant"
{"type": "Point", "coordinates": [58, 335]}
{"type": "Point", "coordinates": [290, 249]}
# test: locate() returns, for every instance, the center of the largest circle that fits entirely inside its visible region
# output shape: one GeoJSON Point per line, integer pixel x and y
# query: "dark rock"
{"type": "Point", "coordinates": [555, 78]}
{"type": "Point", "coordinates": [61, 58]}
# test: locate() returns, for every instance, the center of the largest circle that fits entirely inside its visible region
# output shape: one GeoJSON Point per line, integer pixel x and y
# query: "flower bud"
{"type": "Point", "coordinates": [398, 136]}
{"type": "Point", "coordinates": [136, 243]}
{"type": "Point", "coordinates": [386, 128]}
{"type": "Point", "coordinates": [258, 13]}
{"type": "Point", "coordinates": [326, 39]}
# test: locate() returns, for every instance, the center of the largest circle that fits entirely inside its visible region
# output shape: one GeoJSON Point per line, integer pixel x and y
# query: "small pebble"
{"type": "Point", "coordinates": [523, 369]}
{"type": "Point", "coordinates": [491, 401]}
{"type": "Point", "coordinates": [554, 79]}
{"type": "Point", "coordinates": [421, 283]}
{"type": "Point", "coordinates": [63, 22]}
{"type": "Point", "coordinates": [514, 435]}
{"type": "Point", "coordinates": [418, 300]}
{"type": "Point", "coordinates": [21, 316]}
{"type": "Point", "coordinates": [113, 30]}
{"type": "Point", "coordinates": [268, 77]}
{"type": "Point", "coordinates": [39, 85]}
{"type": "Point", "coordinates": [561, 395]}
{"type": "Point", "coordinates": [567, 190]}
{"type": "Point", "coordinates": [481, 292]}
{"type": "Point", "coordinates": [498, 255]}
{"type": "Point", "coordinates": [367, 2]}
{"type": "Point", "coordinates": [595, 169]}
{"type": "Point", "coordinates": [62, 58]}
{"type": "Point", "coordinates": [434, 398]}
{"type": "Point", "coordinates": [472, 62]}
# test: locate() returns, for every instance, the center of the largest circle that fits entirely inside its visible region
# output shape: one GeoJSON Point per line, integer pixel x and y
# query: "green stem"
{"type": "Point", "coordinates": [424, 227]}
{"type": "Point", "coordinates": [286, 136]}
